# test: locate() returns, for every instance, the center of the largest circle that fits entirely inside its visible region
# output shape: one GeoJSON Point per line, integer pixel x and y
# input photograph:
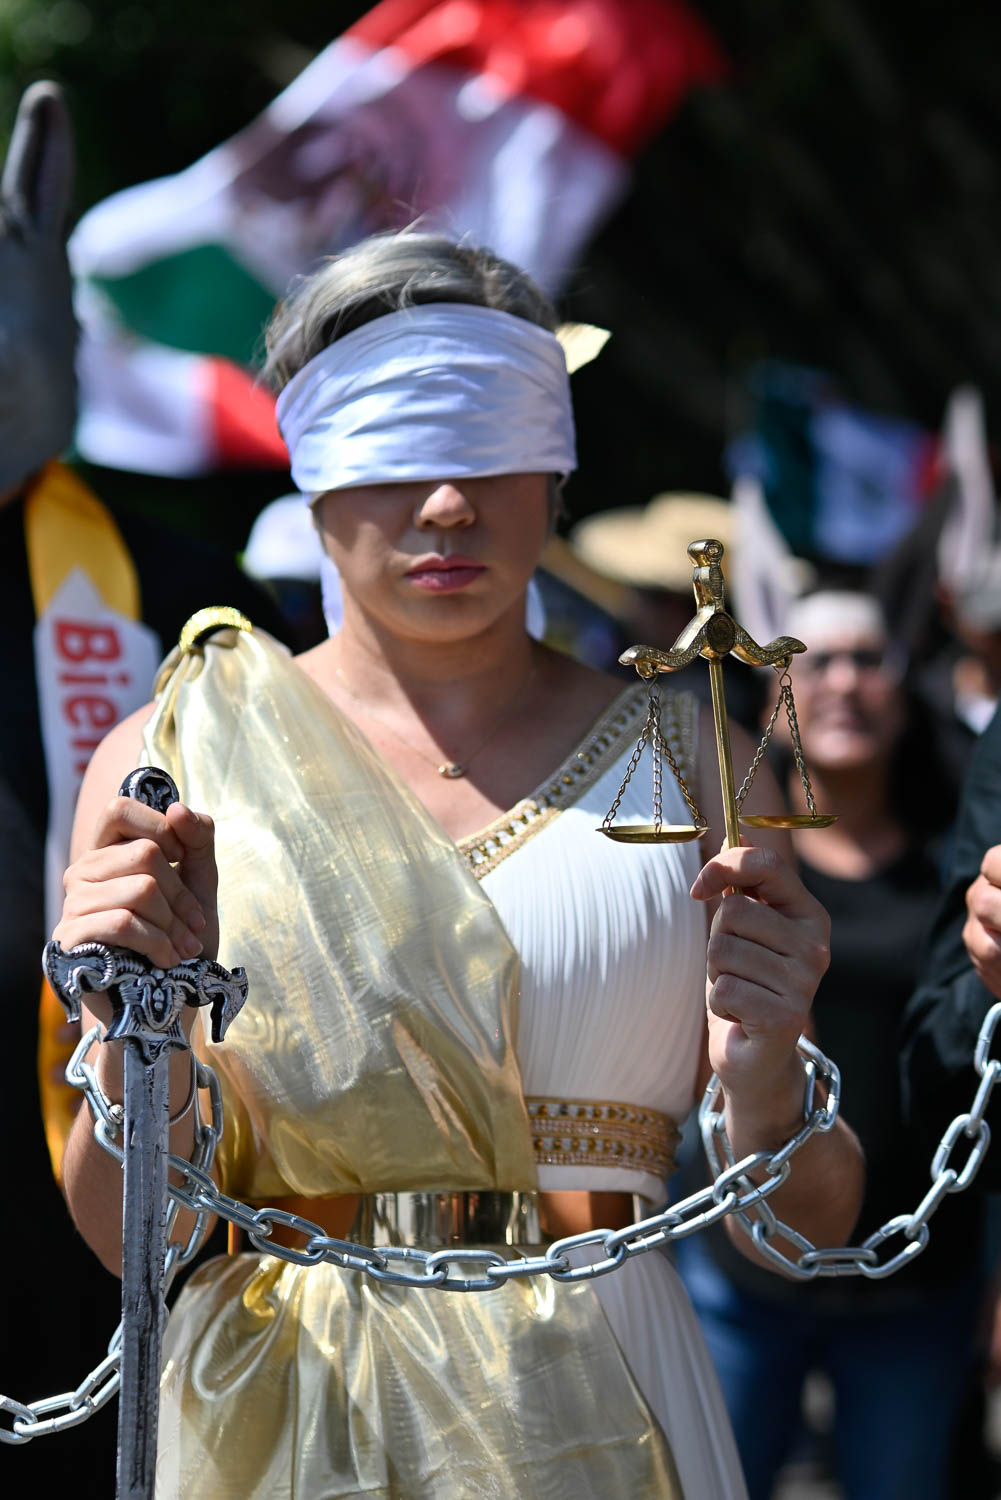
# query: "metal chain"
{"type": "Point", "coordinates": [864, 1259]}
{"type": "Point", "coordinates": [57, 1413]}
{"type": "Point", "coordinates": [698, 818]}
{"type": "Point", "coordinates": [731, 1192]}
{"type": "Point", "coordinates": [759, 754]}
{"type": "Point", "coordinates": [785, 684]}
{"type": "Point", "coordinates": [653, 733]}
{"type": "Point", "coordinates": [651, 725]}
{"type": "Point", "coordinates": [653, 729]}
{"type": "Point", "coordinates": [786, 699]}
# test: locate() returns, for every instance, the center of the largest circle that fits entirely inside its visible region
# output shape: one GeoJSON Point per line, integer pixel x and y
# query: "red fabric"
{"type": "Point", "coordinates": [617, 68]}
{"type": "Point", "coordinates": [244, 429]}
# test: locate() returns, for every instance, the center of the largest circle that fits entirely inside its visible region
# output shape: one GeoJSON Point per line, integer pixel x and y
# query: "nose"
{"type": "Point", "coordinates": [446, 504]}
{"type": "Point", "coordinates": [842, 672]}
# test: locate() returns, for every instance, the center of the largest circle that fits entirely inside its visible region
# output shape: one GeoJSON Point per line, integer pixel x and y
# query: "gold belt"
{"type": "Point", "coordinates": [434, 1220]}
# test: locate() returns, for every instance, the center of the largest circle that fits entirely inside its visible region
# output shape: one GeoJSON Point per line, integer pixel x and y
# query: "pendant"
{"type": "Point", "coordinates": [451, 769]}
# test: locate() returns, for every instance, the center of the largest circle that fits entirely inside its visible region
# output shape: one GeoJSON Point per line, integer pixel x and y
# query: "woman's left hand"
{"type": "Point", "coordinates": [768, 950]}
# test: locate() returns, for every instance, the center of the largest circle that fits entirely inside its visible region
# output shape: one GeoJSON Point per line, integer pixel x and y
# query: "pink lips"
{"type": "Point", "coordinates": [445, 575]}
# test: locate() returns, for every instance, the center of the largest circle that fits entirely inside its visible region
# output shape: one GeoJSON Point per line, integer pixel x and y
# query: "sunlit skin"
{"type": "Point", "coordinates": [424, 660]}
{"type": "Point", "coordinates": [387, 539]}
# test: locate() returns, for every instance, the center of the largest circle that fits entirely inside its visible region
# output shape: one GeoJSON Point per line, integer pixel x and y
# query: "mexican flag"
{"type": "Point", "coordinates": [841, 482]}
{"type": "Point", "coordinates": [511, 121]}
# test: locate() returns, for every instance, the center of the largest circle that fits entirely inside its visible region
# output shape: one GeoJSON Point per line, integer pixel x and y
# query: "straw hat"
{"type": "Point", "coordinates": [646, 546]}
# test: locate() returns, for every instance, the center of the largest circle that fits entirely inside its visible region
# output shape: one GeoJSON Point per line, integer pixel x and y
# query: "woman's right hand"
{"type": "Point", "coordinates": [147, 884]}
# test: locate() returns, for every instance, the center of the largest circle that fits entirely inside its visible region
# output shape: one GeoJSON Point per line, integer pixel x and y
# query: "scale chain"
{"type": "Point", "coordinates": [759, 753]}
{"type": "Point", "coordinates": [697, 819]}
{"type": "Point", "coordinates": [634, 761]}
{"type": "Point", "coordinates": [656, 738]}
{"type": "Point", "coordinates": [731, 1192]}
{"type": "Point", "coordinates": [797, 744]}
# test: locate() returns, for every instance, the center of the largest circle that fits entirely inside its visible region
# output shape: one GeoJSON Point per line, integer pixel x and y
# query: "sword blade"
{"type": "Point", "coordinates": [144, 1248]}
{"type": "Point", "coordinates": [147, 1004]}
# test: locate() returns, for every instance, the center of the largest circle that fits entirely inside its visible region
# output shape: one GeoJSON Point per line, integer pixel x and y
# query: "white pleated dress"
{"type": "Point", "coordinates": [612, 1008]}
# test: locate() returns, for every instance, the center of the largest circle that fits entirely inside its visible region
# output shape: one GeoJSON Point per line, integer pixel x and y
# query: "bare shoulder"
{"type": "Point", "coordinates": [114, 758]}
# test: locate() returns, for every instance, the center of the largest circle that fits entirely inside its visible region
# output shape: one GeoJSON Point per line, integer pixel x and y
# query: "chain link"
{"type": "Point", "coordinates": [577, 1257]}
{"type": "Point", "coordinates": [57, 1413]}
{"type": "Point", "coordinates": [651, 726]}
{"type": "Point", "coordinates": [759, 753]}
{"type": "Point", "coordinates": [656, 740]}
{"type": "Point", "coordinates": [785, 685]}
{"type": "Point", "coordinates": [661, 748]}
{"type": "Point", "coordinates": [698, 818]}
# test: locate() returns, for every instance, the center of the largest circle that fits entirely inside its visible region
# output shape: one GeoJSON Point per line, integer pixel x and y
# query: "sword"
{"type": "Point", "coordinates": [147, 1004]}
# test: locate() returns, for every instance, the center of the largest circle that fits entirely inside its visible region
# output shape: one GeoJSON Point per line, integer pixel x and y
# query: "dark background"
{"type": "Point", "coordinates": [833, 202]}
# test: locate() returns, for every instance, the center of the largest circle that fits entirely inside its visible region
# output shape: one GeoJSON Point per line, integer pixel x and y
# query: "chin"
{"type": "Point", "coordinates": [446, 627]}
{"type": "Point", "coordinates": [844, 753]}
{"type": "Point", "coordinates": [449, 617]}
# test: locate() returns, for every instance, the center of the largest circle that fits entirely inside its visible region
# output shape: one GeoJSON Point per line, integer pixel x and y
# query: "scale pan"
{"type": "Point", "coordinates": [648, 833]}
{"type": "Point", "coordinates": [789, 820]}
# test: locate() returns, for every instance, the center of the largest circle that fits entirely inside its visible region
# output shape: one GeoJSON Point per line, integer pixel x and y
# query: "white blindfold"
{"type": "Point", "coordinates": [438, 391]}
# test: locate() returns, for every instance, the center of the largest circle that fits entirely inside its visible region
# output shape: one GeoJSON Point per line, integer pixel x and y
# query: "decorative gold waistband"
{"type": "Point", "coordinates": [602, 1133]}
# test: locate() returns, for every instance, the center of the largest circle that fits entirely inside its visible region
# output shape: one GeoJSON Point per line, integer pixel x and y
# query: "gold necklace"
{"type": "Point", "coordinates": [450, 769]}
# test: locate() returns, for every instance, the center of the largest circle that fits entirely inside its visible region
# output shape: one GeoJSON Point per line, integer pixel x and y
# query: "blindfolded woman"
{"type": "Point", "coordinates": [461, 998]}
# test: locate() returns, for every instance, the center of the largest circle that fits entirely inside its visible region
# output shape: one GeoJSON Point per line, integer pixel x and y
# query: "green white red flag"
{"type": "Point", "coordinates": [511, 121]}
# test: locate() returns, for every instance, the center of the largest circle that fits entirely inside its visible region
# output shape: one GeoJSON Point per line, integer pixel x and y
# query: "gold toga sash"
{"type": "Point", "coordinates": [375, 1050]}
{"type": "Point", "coordinates": [374, 1054]}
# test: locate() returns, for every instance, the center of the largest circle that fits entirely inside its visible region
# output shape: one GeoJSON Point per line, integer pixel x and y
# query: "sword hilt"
{"type": "Point", "coordinates": [147, 1001]}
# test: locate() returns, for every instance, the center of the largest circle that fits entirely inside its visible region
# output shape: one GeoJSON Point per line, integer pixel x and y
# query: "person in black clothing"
{"type": "Point", "coordinates": [961, 979]}
{"type": "Point", "coordinates": [898, 1352]}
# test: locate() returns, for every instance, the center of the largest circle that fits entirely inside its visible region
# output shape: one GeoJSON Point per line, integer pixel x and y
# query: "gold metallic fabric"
{"type": "Point", "coordinates": [375, 1050]}
{"type": "Point", "coordinates": [291, 1383]}
{"type": "Point", "coordinates": [602, 1133]}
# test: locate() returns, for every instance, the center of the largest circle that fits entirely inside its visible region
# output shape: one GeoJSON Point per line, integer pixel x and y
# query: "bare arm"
{"type": "Point", "coordinates": [146, 881]}
{"type": "Point", "coordinates": [768, 950]}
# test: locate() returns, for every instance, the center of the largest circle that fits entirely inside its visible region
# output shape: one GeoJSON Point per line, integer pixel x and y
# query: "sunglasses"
{"type": "Point", "coordinates": [862, 658]}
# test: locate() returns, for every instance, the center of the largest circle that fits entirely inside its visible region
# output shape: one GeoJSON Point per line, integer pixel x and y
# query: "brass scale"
{"type": "Point", "coordinates": [712, 633]}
